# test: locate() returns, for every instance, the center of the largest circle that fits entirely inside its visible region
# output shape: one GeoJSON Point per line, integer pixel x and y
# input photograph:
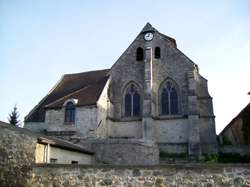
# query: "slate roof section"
{"type": "Point", "coordinates": [55, 142]}
{"type": "Point", "coordinates": [86, 87]}
{"type": "Point", "coordinates": [240, 115]}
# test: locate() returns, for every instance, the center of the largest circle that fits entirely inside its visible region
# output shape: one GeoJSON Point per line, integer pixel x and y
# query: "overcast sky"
{"type": "Point", "coordinates": [42, 40]}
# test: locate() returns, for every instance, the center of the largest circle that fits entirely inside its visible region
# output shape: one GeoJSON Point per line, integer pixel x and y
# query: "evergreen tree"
{"type": "Point", "coordinates": [13, 117]}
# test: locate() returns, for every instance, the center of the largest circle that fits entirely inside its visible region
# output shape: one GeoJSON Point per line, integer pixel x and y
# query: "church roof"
{"type": "Point", "coordinates": [86, 87]}
{"type": "Point", "coordinates": [240, 115]}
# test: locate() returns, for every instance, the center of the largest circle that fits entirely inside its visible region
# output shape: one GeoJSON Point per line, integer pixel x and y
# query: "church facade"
{"type": "Point", "coordinates": [153, 92]}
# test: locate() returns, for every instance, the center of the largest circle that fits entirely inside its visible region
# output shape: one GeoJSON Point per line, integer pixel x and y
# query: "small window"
{"type": "Point", "coordinates": [157, 52]}
{"type": "Point", "coordinates": [74, 162]}
{"type": "Point", "coordinates": [53, 160]}
{"type": "Point", "coordinates": [70, 112]}
{"type": "Point", "coordinates": [132, 101]}
{"type": "Point", "coordinates": [139, 54]}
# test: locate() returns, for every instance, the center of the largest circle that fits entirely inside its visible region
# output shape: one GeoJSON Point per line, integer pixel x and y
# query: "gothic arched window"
{"type": "Point", "coordinates": [70, 112]}
{"type": "Point", "coordinates": [157, 52]}
{"type": "Point", "coordinates": [139, 54]}
{"type": "Point", "coordinates": [169, 99]}
{"type": "Point", "coordinates": [132, 101]}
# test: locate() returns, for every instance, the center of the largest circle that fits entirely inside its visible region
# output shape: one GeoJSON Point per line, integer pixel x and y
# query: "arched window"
{"type": "Point", "coordinates": [169, 99]}
{"type": "Point", "coordinates": [139, 54]}
{"type": "Point", "coordinates": [132, 101]}
{"type": "Point", "coordinates": [157, 52]}
{"type": "Point", "coordinates": [70, 112]}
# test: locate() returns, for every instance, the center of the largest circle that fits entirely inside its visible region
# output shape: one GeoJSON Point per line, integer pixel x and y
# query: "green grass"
{"type": "Point", "coordinates": [164, 156]}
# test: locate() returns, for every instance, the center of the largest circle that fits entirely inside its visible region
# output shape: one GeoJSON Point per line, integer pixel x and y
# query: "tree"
{"type": "Point", "coordinates": [13, 117]}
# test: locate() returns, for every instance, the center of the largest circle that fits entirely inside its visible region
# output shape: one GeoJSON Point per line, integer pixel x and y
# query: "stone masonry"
{"type": "Point", "coordinates": [102, 116]}
{"type": "Point", "coordinates": [140, 176]}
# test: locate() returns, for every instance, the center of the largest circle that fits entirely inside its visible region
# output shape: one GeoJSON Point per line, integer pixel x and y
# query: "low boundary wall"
{"type": "Point", "coordinates": [189, 175]}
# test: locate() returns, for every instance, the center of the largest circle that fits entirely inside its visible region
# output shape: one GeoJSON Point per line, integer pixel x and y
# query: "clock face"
{"type": "Point", "coordinates": [148, 36]}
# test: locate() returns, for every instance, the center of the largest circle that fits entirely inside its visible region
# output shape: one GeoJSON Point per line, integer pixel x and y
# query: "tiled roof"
{"type": "Point", "coordinates": [55, 142]}
{"type": "Point", "coordinates": [240, 115]}
{"type": "Point", "coordinates": [86, 87]}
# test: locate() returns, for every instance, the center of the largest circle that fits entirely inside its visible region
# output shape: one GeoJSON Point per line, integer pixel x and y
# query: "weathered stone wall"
{"type": "Point", "coordinates": [125, 129]}
{"type": "Point", "coordinates": [137, 176]}
{"type": "Point", "coordinates": [171, 130]}
{"type": "Point", "coordinates": [235, 149]}
{"type": "Point", "coordinates": [126, 151]}
{"type": "Point", "coordinates": [173, 148]}
{"type": "Point", "coordinates": [55, 116]}
{"type": "Point", "coordinates": [35, 126]}
{"type": "Point", "coordinates": [17, 154]}
{"type": "Point", "coordinates": [85, 122]}
{"type": "Point", "coordinates": [208, 135]}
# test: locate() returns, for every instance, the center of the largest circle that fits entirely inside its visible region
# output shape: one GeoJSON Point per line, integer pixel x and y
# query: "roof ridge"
{"type": "Point", "coordinates": [91, 71]}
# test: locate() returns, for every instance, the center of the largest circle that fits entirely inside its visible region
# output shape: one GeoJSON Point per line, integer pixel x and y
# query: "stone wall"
{"type": "Point", "coordinates": [189, 175]}
{"type": "Point", "coordinates": [126, 151]}
{"type": "Point", "coordinates": [171, 130]}
{"type": "Point", "coordinates": [235, 149]}
{"type": "Point", "coordinates": [125, 129]}
{"type": "Point", "coordinates": [17, 154]}
{"type": "Point", "coordinates": [35, 126]}
{"type": "Point", "coordinates": [85, 122]}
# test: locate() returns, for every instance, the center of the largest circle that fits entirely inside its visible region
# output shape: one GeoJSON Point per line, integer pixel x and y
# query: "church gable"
{"type": "Point", "coordinates": [166, 61]}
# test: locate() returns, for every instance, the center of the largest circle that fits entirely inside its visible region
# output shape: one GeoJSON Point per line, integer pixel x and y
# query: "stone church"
{"type": "Point", "coordinates": [153, 93]}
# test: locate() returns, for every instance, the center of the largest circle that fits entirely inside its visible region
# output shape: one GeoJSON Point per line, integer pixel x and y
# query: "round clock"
{"type": "Point", "coordinates": [148, 36]}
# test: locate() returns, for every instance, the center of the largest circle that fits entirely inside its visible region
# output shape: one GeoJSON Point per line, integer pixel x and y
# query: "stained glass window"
{"type": "Point", "coordinates": [132, 101]}
{"type": "Point", "coordinates": [169, 99]}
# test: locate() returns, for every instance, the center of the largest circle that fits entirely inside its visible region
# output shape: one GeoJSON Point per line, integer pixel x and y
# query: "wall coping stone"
{"type": "Point", "coordinates": [177, 166]}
